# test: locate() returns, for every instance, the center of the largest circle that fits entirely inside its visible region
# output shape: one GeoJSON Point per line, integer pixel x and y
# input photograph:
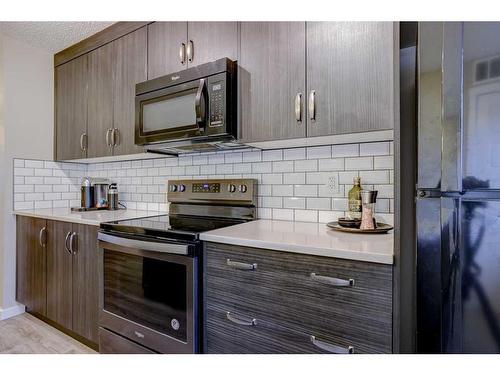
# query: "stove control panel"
{"type": "Point", "coordinates": [236, 191]}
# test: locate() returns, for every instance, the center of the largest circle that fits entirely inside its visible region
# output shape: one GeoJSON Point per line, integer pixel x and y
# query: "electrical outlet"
{"type": "Point", "coordinates": [333, 184]}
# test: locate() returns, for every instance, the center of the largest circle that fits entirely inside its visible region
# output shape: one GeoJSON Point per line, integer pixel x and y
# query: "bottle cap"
{"type": "Point", "coordinates": [357, 180]}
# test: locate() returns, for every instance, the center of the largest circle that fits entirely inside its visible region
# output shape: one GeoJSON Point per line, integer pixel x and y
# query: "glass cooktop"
{"type": "Point", "coordinates": [168, 226]}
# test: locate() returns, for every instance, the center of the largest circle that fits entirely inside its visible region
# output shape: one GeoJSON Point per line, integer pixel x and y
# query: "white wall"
{"type": "Point", "coordinates": [26, 131]}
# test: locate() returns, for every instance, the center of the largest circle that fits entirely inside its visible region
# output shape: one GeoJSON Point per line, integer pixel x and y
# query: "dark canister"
{"type": "Point", "coordinates": [113, 197]}
{"type": "Point", "coordinates": [87, 193]}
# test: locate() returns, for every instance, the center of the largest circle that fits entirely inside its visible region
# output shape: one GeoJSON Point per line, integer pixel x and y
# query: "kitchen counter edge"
{"type": "Point", "coordinates": [249, 235]}
{"type": "Point", "coordinates": [88, 218]}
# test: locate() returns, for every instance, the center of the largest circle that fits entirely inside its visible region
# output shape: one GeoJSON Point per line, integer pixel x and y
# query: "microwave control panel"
{"type": "Point", "coordinates": [217, 95]}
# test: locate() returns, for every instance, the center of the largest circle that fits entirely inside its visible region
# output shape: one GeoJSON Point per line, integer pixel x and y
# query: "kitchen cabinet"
{"type": "Point", "coordinates": [350, 77]}
{"type": "Point", "coordinates": [114, 70]}
{"type": "Point", "coordinates": [266, 301]}
{"type": "Point", "coordinates": [85, 282]}
{"type": "Point", "coordinates": [31, 289]}
{"type": "Point", "coordinates": [209, 41]}
{"type": "Point", "coordinates": [95, 99]}
{"type": "Point", "coordinates": [57, 273]}
{"type": "Point", "coordinates": [166, 48]}
{"type": "Point", "coordinates": [272, 80]}
{"type": "Point", "coordinates": [100, 102]}
{"type": "Point", "coordinates": [130, 68]}
{"type": "Point", "coordinates": [174, 46]}
{"type": "Point", "coordinates": [71, 109]}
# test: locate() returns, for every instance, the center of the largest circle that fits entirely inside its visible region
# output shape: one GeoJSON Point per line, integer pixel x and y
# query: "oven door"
{"type": "Point", "coordinates": [171, 113]}
{"type": "Point", "coordinates": [149, 297]}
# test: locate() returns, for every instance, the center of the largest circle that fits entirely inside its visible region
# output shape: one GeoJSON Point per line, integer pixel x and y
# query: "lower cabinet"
{"type": "Point", "coordinates": [263, 301]}
{"type": "Point", "coordinates": [31, 265]}
{"type": "Point", "coordinates": [57, 273]}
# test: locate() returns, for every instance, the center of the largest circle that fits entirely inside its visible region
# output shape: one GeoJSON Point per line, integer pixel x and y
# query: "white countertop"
{"type": "Point", "coordinates": [306, 238]}
{"type": "Point", "coordinates": [89, 217]}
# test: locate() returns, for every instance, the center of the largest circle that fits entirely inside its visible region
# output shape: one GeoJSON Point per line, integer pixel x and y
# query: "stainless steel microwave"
{"type": "Point", "coordinates": [191, 110]}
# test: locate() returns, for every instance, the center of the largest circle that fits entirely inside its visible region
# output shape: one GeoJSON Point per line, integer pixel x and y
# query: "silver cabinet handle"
{"type": "Point", "coordinates": [331, 348]}
{"type": "Point", "coordinates": [242, 266]}
{"type": "Point", "coordinates": [115, 137]}
{"type": "Point", "coordinates": [312, 105]}
{"type": "Point", "coordinates": [190, 51]}
{"type": "Point", "coordinates": [241, 322]}
{"type": "Point", "coordinates": [298, 107]}
{"type": "Point", "coordinates": [71, 240]}
{"type": "Point", "coordinates": [41, 237]}
{"type": "Point", "coordinates": [66, 243]}
{"type": "Point", "coordinates": [182, 53]}
{"type": "Point", "coordinates": [332, 280]}
{"type": "Point", "coordinates": [83, 141]}
{"type": "Point", "coordinates": [108, 137]}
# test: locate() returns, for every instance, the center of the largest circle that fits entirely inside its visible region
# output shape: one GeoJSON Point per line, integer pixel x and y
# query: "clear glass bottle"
{"type": "Point", "coordinates": [354, 200]}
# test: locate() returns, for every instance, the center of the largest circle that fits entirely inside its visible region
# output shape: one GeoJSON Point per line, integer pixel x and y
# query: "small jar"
{"type": "Point", "coordinates": [368, 199]}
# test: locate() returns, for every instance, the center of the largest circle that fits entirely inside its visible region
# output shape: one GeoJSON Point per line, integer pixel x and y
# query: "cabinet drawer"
{"type": "Point", "coordinates": [111, 343]}
{"type": "Point", "coordinates": [281, 285]}
{"type": "Point", "coordinates": [289, 272]}
{"type": "Point", "coordinates": [230, 331]}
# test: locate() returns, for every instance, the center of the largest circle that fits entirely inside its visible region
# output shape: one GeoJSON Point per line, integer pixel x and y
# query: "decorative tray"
{"type": "Point", "coordinates": [381, 228]}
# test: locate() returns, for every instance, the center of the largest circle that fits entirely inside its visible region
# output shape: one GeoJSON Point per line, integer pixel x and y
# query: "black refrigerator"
{"type": "Point", "coordinates": [458, 188]}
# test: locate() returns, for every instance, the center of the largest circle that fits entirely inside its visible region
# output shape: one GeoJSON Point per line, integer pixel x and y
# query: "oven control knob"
{"type": "Point", "coordinates": [173, 188]}
{"type": "Point", "coordinates": [182, 188]}
{"type": "Point", "coordinates": [243, 189]}
{"type": "Point", "coordinates": [175, 324]}
{"type": "Point", "coordinates": [231, 188]}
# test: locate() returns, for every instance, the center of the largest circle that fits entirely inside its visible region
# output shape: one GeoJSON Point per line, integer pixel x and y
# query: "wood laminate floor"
{"type": "Point", "coordinates": [25, 334]}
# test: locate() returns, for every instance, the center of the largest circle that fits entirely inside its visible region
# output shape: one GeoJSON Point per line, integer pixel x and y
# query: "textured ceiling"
{"type": "Point", "coordinates": [52, 36]}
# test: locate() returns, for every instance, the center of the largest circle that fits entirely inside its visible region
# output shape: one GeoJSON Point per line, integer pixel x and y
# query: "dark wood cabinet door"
{"type": "Point", "coordinates": [165, 40]}
{"type": "Point", "coordinates": [100, 103]}
{"type": "Point", "coordinates": [130, 67]}
{"type": "Point", "coordinates": [71, 109]}
{"type": "Point", "coordinates": [85, 282]}
{"type": "Point", "coordinates": [31, 288]}
{"type": "Point", "coordinates": [350, 66]}
{"type": "Point", "coordinates": [210, 41]}
{"type": "Point", "coordinates": [59, 274]}
{"type": "Point", "coordinates": [271, 75]}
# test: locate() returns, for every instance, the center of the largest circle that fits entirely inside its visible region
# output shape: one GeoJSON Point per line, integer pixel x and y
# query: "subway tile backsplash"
{"type": "Point", "coordinates": [293, 183]}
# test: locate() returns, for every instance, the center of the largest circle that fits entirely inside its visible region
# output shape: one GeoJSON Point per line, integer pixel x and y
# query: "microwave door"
{"type": "Point", "coordinates": [172, 113]}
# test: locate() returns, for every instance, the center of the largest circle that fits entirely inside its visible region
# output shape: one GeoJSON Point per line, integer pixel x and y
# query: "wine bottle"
{"type": "Point", "coordinates": [354, 196]}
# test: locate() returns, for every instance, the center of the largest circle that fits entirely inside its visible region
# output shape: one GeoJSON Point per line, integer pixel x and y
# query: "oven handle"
{"type": "Point", "coordinates": [199, 108]}
{"type": "Point", "coordinates": [160, 247]}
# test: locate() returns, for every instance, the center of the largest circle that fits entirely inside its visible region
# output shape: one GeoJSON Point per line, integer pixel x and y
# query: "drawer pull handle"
{"type": "Point", "coordinates": [331, 348]}
{"type": "Point", "coordinates": [332, 280]}
{"type": "Point", "coordinates": [241, 322]}
{"type": "Point", "coordinates": [242, 266]}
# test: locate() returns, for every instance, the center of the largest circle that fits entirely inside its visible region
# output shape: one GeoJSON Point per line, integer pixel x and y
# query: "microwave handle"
{"type": "Point", "coordinates": [199, 107]}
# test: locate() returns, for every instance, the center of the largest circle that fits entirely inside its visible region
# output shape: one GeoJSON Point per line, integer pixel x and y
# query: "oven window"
{"type": "Point", "coordinates": [146, 291]}
{"type": "Point", "coordinates": [169, 112]}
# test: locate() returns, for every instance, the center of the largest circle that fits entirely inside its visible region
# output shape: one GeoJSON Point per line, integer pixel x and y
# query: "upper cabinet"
{"type": "Point", "coordinates": [209, 41]}
{"type": "Point", "coordinates": [296, 79]}
{"type": "Point", "coordinates": [166, 48]}
{"type": "Point", "coordinates": [272, 80]}
{"type": "Point", "coordinates": [95, 99]}
{"type": "Point", "coordinates": [71, 109]}
{"type": "Point", "coordinates": [130, 68]}
{"type": "Point", "coordinates": [350, 77]}
{"type": "Point", "coordinates": [174, 46]}
{"type": "Point", "coordinates": [100, 102]}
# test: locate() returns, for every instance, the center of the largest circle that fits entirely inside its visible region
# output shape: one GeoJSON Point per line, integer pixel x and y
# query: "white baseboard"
{"type": "Point", "coordinates": [11, 311]}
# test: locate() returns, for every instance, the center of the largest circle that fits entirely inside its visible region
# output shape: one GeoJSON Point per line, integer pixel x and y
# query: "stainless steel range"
{"type": "Point", "coordinates": [151, 281]}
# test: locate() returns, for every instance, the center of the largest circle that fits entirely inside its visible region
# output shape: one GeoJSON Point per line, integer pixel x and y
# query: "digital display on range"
{"type": "Point", "coordinates": [206, 188]}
